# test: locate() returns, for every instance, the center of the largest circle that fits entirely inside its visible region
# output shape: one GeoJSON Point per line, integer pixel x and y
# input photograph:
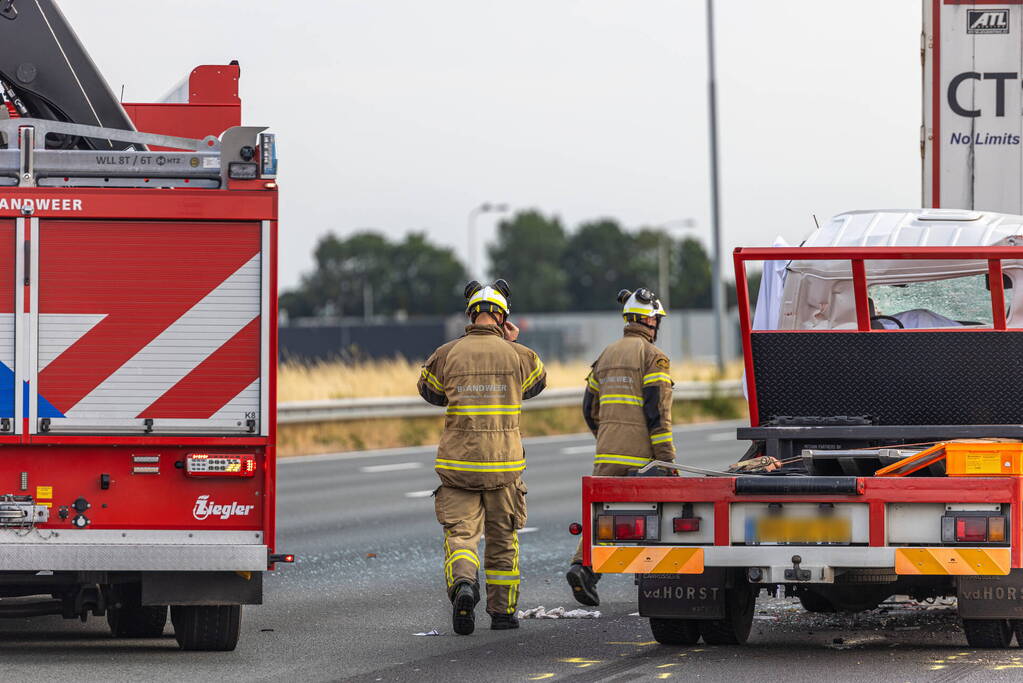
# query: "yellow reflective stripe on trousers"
{"type": "Point", "coordinates": [499, 577]}
{"type": "Point", "coordinates": [464, 554]}
{"type": "Point", "coordinates": [476, 466]}
{"type": "Point", "coordinates": [533, 376]}
{"type": "Point", "coordinates": [485, 410]}
{"type": "Point", "coordinates": [655, 377]}
{"type": "Point", "coordinates": [627, 399]}
{"type": "Point", "coordinates": [612, 459]}
{"type": "Point", "coordinates": [432, 380]}
{"type": "Point", "coordinates": [660, 438]}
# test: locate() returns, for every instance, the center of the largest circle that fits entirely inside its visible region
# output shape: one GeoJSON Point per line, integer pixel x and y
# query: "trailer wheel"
{"type": "Point", "coordinates": [207, 627]}
{"type": "Point", "coordinates": [988, 633]}
{"type": "Point", "coordinates": [137, 622]}
{"type": "Point", "coordinates": [675, 631]}
{"type": "Point", "coordinates": [735, 627]}
{"type": "Point", "coordinates": [815, 602]}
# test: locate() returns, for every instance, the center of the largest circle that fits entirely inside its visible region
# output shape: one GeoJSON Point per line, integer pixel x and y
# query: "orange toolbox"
{"type": "Point", "coordinates": [983, 459]}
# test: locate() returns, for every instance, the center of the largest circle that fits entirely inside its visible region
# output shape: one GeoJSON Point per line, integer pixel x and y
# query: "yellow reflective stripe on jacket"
{"type": "Point", "coordinates": [477, 466]}
{"type": "Point", "coordinates": [655, 377]}
{"type": "Point", "coordinates": [611, 459]}
{"type": "Point", "coordinates": [485, 410]}
{"type": "Point", "coordinates": [627, 399]}
{"type": "Point", "coordinates": [594, 384]}
{"type": "Point", "coordinates": [533, 376]}
{"type": "Point", "coordinates": [432, 380]}
{"type": "Point", "coordinates": [660, 438]}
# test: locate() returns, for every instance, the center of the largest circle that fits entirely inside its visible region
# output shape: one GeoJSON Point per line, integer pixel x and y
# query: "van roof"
{"type": "Point", "coordinates": [916, 228]}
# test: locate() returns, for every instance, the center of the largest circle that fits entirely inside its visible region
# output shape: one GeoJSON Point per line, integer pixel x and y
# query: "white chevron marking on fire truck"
{"type": "Point", "coordinates": [175, 352]}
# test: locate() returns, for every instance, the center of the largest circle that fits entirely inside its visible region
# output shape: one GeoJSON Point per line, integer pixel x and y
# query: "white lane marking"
{"type": "Point", "coordinates": [721, 436]}
{"type": "Point", "coordinates": [574, 450]}
{"type": "Point", "coordinates": [527, 529]}
{"type": "Point", "coordinates": [392, 467]}
{"type": "Point", "coordinates": [419, 494]}
{"type": "Point", "coordinates": [431, 450]}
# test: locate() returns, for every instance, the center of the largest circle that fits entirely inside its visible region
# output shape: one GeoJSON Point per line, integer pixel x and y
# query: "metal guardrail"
{"type": "Point", "coordinates": [339, 410]}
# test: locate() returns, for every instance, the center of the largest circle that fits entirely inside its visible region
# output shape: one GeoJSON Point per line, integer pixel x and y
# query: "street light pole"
{"type": "Point", "coordinates": [664, 258]}
{"type": "Point", "coordinates": [717, 286]}
{"type": "Point", "coordinates": [474, 265]}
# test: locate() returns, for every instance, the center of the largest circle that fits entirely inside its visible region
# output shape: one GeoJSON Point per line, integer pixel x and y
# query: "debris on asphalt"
{"type": "Point", "coordinates": [433, 632]}
{"type": "Point", "coordinates": [371, 554]}
{"type": "Point", "coordinates": [557, 613]}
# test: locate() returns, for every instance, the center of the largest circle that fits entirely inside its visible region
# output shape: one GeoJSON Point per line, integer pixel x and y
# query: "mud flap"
{"type": "Point", "coordinates": [684, 596]}
{"type": "Point", "coordinates": [991, 597]}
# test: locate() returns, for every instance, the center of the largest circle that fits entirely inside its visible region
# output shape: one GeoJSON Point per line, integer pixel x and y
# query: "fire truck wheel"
{"type": "Point", "coordinates": [988, 633]}
{"type": "Point", "coordinates": [675, 631]}
{"type": "Point", "coordinates": [735, 627]}
{"type": "Point", "coordinates": [137, 622]}
{"type": "Point", "coordinates": [206, 627]}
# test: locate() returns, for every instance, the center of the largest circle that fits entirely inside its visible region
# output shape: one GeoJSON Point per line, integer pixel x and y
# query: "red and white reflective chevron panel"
{"type": "Point", "coordinates": [149, 320]}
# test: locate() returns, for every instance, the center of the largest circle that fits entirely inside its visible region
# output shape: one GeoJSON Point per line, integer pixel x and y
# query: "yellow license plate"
{"type": "Point", "coordinates": [805, 530]}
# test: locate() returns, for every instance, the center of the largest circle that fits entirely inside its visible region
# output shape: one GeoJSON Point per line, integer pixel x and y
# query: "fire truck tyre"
{"type": "Point", "coordinates": [137, 622]}
{"type": "Point", "coordinates": [989, 633]}
{"type": "Point", "coordinates": [206, 627]}
{"type": "Point", "coordinates": [675, 631]}
{"type": "Point", "coordinates": [815, 602]}
{"type": "Point", "coordinates": [735, 627]}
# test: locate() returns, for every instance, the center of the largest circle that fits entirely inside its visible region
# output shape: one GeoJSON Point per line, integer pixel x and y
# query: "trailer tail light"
{"type": "Point", "coordinates": [684, 524]}
{"type": "Point", "coordinates": [973, 529]}
{"type": "Point", "coordinates": [630, 527]}
{"type": "Point", "coordinates": [220, 465]}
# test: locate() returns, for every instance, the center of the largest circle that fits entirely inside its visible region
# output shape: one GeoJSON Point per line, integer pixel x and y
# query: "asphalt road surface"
{"type": "Point", "coordinates": [369, 578]}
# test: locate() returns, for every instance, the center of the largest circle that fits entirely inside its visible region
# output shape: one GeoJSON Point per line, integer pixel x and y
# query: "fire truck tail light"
{"type": "Point", "coordinates": [220, 465]}
{"type": "Point", "coordinates": [606, 527]}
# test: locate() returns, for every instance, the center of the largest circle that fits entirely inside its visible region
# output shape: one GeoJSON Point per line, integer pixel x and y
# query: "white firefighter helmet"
{"type": "Point", "coordinates": [640, 304]}
{"type": "Point", "coordinates": [490, 299]}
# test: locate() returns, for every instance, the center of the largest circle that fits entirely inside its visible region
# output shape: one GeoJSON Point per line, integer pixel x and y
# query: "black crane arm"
{"type": "Point", "coordinates": [46, 73]}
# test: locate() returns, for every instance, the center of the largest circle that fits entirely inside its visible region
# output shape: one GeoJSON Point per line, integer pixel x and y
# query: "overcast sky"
{"type": "Point", "coordinates": [400, 115]}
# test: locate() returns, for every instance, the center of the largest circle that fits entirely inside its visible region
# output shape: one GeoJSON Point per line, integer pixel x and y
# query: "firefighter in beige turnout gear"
{"type": "Point", "coordinates": [627, 406]}
{"type": "Point", "coordinates": [482, 378]}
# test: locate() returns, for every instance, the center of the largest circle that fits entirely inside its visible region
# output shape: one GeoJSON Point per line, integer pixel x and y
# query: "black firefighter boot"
{"type": "Point", "coordinates": [584, 584]}
{"type": "Point", "coordinates": [503, 622]}
{"type": "Point", "coordinates": [463, 606]}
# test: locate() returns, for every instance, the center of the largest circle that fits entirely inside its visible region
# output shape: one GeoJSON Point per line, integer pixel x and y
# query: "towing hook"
{"type": "Point", "coordinates": [8, 10]}
{"type": "Point", "coordinates": [797, 573]}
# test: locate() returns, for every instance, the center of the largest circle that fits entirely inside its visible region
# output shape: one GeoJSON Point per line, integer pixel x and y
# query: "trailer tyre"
{"type": "Point", "coordinates": [816, 603]}
{"type": "Point", "coordinates": [137, 622]}
{"type": "Point", "coordinates": [207, 627]}
{"type": "Point", "coordinates": [675, 631]}
{"type": "Point", "coordinates": [735, 627]}
{"type": "Point", "coordinates": [988, 633]}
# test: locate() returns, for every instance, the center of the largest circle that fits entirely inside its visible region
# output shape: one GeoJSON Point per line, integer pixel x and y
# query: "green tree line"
{"type": "Point", "coordinates": [550, 269]}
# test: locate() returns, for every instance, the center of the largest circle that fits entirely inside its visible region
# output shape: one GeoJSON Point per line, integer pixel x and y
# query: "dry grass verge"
{"type": "Point", "coordinates": [327, 380]}
{"type": "Point", "coordinates": [358, 435]}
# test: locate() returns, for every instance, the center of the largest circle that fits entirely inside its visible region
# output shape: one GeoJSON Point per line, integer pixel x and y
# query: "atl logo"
{"type": "Point", "coordinates": [987, 21]}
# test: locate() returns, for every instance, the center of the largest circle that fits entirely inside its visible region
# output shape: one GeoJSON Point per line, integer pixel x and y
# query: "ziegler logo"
{"type": "Point", "coordinates": [205, 508]}
{"type": "Point", "coordinates": [980, 21]}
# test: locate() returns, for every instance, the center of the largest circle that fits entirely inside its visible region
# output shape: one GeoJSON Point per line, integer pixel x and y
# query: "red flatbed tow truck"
{"type": "Point", "coordinates": [884, 371]}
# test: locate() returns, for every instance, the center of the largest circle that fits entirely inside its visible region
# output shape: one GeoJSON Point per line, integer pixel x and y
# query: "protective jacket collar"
{"type": "Point", "coordinates": [484, 329]}
{"type": "Point", "coordinates": [639, 330]}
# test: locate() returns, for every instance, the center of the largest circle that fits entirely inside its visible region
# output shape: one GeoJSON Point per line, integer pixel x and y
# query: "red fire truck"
{"type": "Point", "coordinates": [883, 372]}
{"type": "Point", "coordinates": [138, 311]}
